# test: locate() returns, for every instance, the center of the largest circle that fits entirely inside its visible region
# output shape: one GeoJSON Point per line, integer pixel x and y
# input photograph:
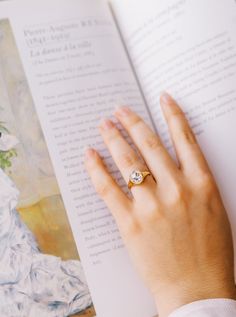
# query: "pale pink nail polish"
{"type": "Point", "coordinates": [90, 153]}
{"type": "Point", "coordinates": [123, 111]}
{"type": "Point", "coordinates": [107, 124]}
{"type": "Point", "coordinates": [165, 98]}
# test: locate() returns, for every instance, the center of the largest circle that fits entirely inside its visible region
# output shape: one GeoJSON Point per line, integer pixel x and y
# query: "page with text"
{"type": "Point", "coordinates": [78, 72]}
{"type": "Point", "coordinates": [188, 48]}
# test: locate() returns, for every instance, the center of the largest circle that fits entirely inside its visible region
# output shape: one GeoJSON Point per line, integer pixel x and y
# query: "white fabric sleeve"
{"type": "Point", "coordinates": [207, 308]}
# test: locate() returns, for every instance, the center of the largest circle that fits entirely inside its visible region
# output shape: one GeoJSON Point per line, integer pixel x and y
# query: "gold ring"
{"type": "Point", "coordinates": [137, 178]}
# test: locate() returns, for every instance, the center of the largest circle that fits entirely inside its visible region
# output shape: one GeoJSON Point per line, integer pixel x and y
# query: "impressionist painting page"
{"type": "Point", "coordinates": [188, 48]}
{"type": "Point", "coordinates": [78, 72]}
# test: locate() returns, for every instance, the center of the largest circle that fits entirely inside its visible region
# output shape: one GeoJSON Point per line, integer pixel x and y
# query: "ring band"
{"type": "Point", "coordinates": [137, 178]}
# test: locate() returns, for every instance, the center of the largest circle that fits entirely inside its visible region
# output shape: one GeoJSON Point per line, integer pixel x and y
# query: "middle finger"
{"type": "Point", "coordinates": [150, 146]}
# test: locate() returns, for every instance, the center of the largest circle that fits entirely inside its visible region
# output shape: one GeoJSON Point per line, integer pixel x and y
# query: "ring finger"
{"type": "Point", "coordinates": [126, 158]}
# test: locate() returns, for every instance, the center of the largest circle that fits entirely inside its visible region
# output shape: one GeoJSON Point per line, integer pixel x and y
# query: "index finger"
{"type": "Point", "coordinates": [113, 196]}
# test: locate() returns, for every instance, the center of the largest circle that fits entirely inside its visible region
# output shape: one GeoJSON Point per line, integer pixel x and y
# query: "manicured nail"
{"type": "Point", "coordinates": [166, 98]}
{"type": "Point", "coordinates": [107, 124]}
{"type": "Point", "coordinates": [90, 153]}
{"type": "Point", "coordinates": [123, 111]}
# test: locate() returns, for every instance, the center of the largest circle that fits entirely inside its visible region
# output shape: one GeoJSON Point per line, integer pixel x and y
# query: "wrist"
{"type": "Point", "coordinates": [177, 296]}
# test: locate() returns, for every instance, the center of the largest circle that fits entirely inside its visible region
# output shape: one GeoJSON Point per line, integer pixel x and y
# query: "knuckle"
{"type": "Point", "coordinates": [127, 160]}
{"type": "Point", "coordinates": [132, 228]}
{"type": "Point", "coordinates": [103, 189]}
{"type": "Point", "coordinates": [153, 215]}
{"type": "Point", "coordinates": [112, 136]}
{"type": "Point", "coordinates": [206, 183]}
{"type": "Point", "coordinates": [152, 142]}
{"type": "Point", "coordinates": [187, 136]}
{"type": "Point", "coordinates": [152, 208]}
{"type": "Point", "coordinates": [175, 116]}
{"type": "Point", "coordinates": [135, 122]}
{"type": "Point", "coordinates": [177, 195]}
{"type": "Point", "coordinates": [149, 211]}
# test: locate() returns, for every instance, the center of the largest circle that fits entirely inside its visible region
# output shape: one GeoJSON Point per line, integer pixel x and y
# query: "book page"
{"type": "Point", "coordinates": [45, 278]}
{"type": "Point", "coordinates": [188, 48]}
{"type": "Point", "coordinates": [77, 72]}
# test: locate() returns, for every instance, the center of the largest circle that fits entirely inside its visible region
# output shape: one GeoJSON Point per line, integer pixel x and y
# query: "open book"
{"type": "Point", "coordinates": [75, 62]}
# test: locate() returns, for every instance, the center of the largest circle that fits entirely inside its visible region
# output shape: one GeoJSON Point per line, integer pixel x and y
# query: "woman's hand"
{"type": "Point", "coordinates": [175, 228]}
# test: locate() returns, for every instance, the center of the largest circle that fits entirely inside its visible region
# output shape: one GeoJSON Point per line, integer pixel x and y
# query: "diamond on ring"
{"type": "Point", "coordinates": [137, 178]}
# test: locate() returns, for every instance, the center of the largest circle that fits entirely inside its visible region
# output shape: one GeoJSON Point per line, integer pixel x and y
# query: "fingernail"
{"type": "Point", "coordinates": [107, 124]}
{"type": "Point", "coordinates": [123, 111]}
{"type": "Point", "coordinates": [90, 153]}
{"type": "Point", "coordinates": [165, 97]}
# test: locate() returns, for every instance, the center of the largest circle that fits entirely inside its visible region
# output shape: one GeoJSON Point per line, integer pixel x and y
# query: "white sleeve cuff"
{"type": "Point", "coordinates": [207, 308]}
